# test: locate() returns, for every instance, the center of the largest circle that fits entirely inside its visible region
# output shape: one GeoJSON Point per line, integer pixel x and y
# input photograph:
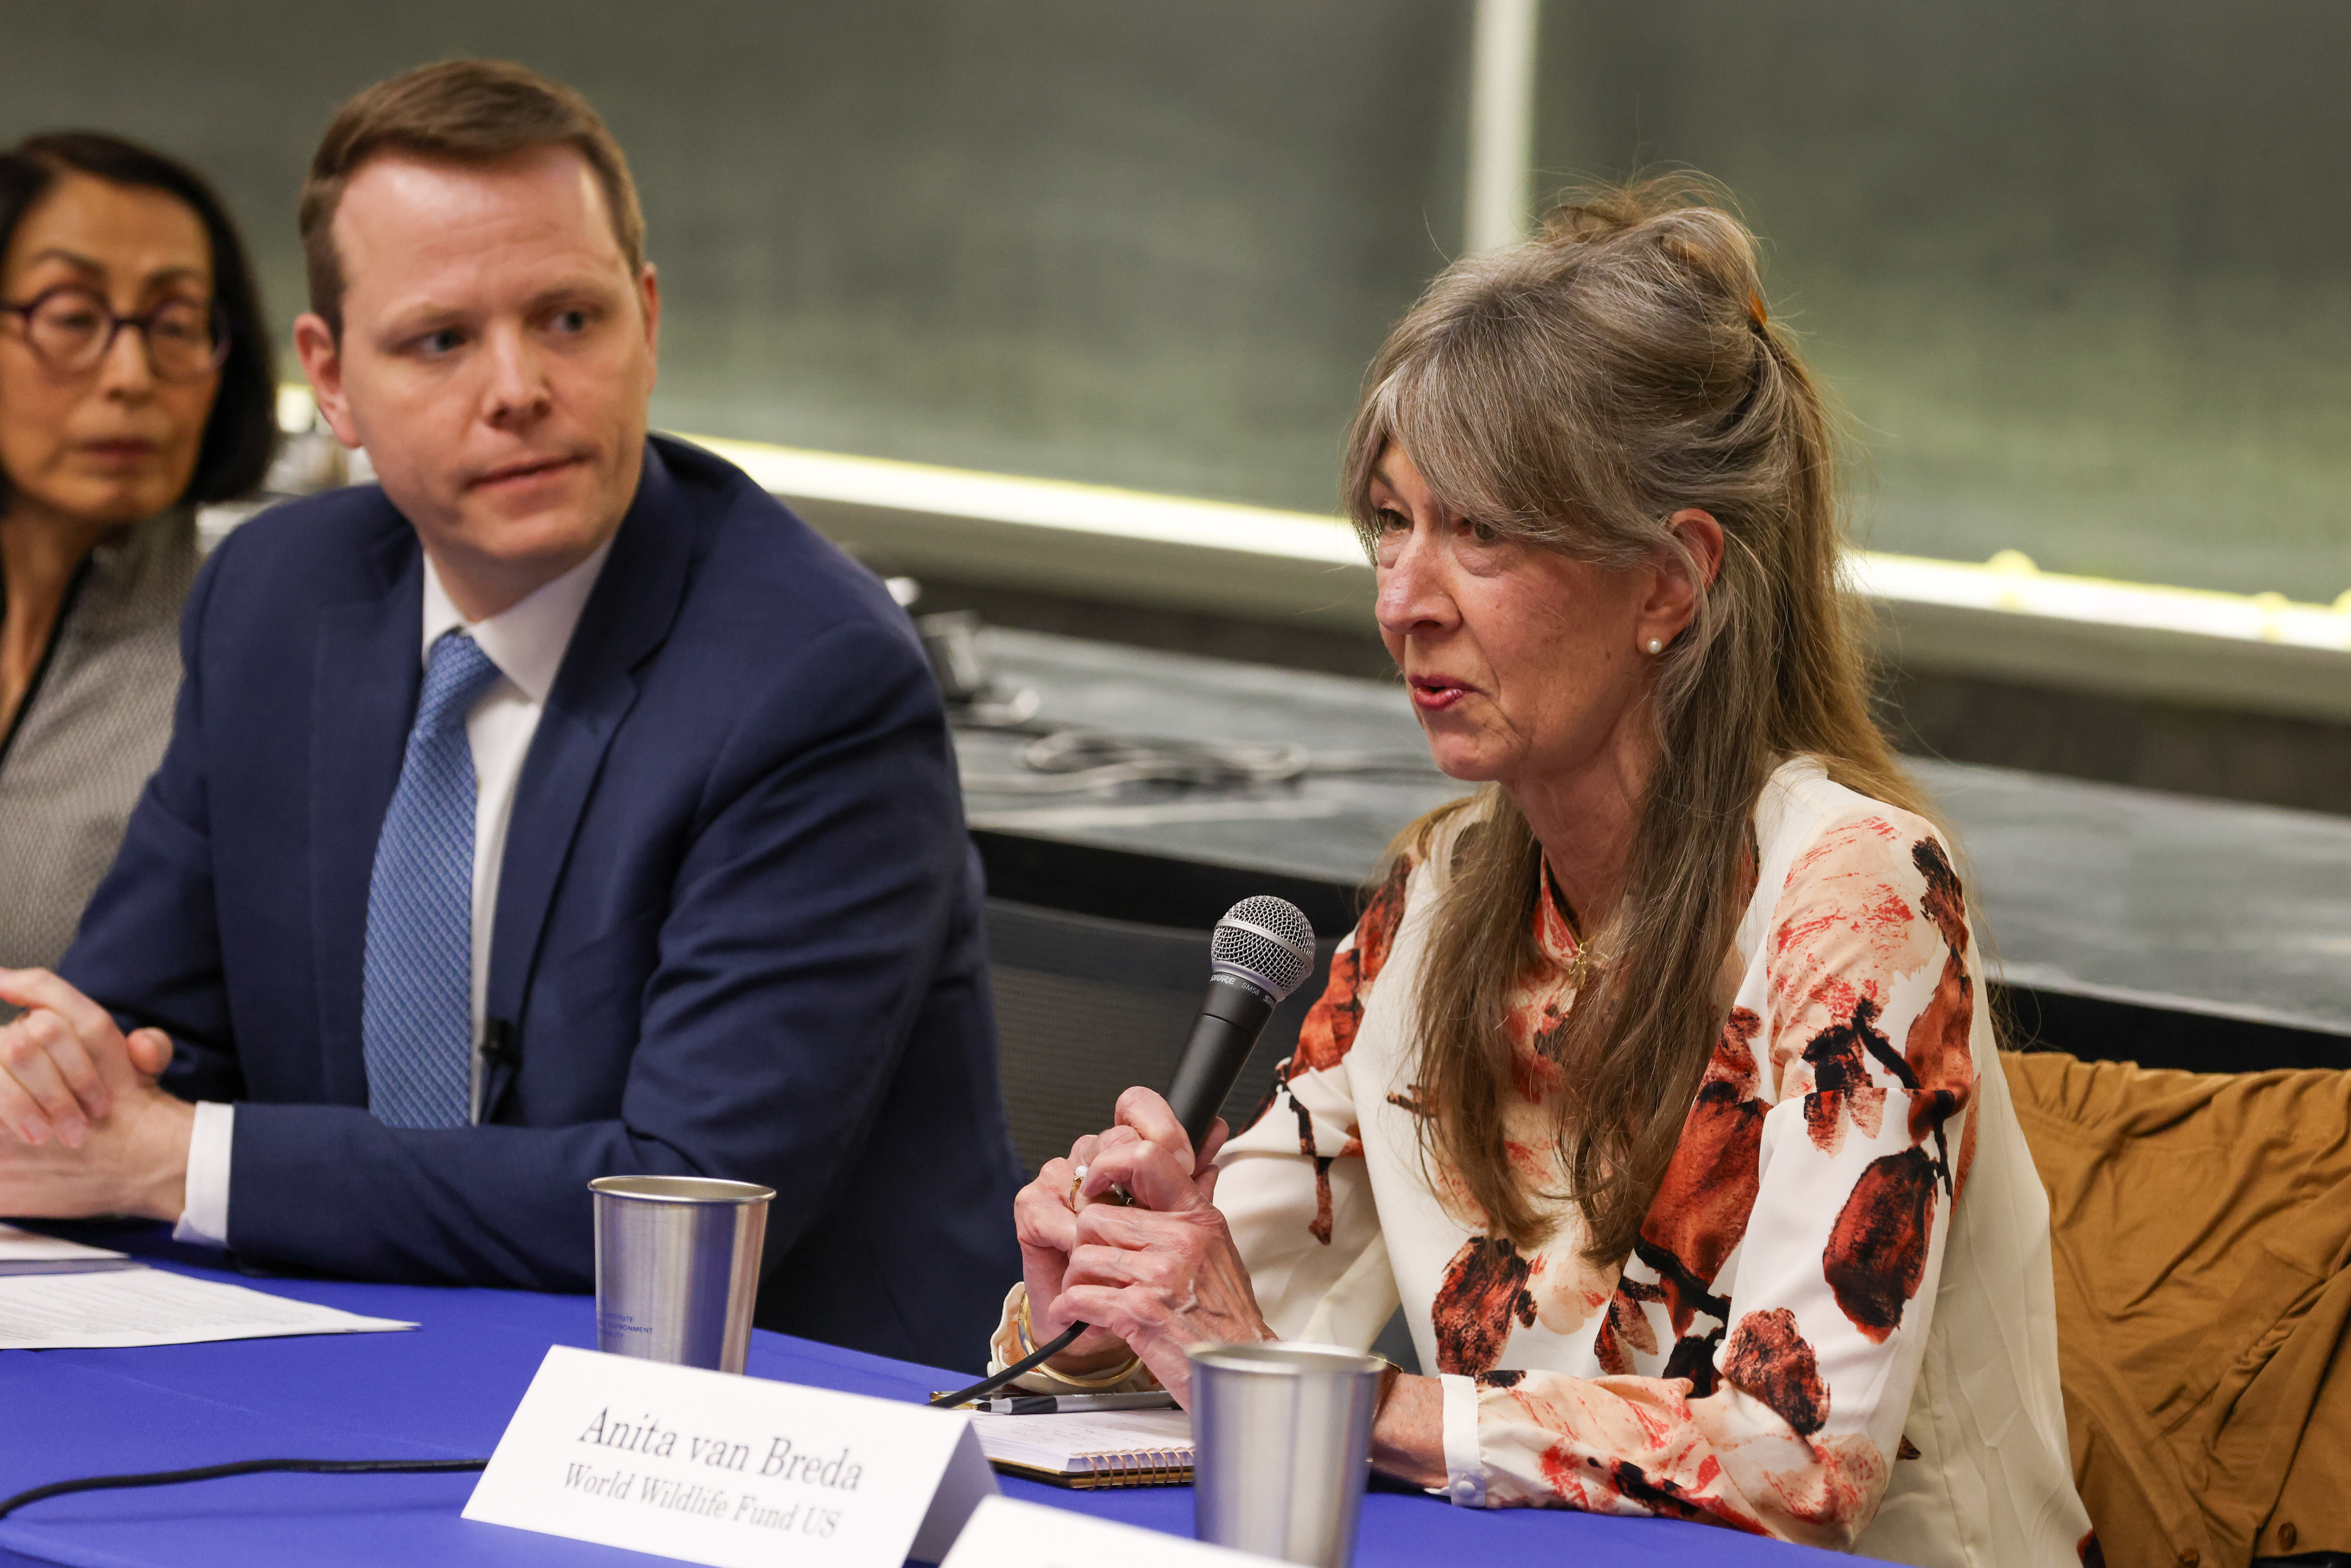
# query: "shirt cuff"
{"type": "Point", "coordinates": [204, 1220]}
{"type": "Point", "coordinates": [1465, 1468]}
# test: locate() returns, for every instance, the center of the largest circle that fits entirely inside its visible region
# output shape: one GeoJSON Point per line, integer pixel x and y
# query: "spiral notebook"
{"type": "Point", "coordinates": [1113, 1448]}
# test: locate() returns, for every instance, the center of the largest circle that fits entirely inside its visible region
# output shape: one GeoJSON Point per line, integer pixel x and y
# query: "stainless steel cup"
{"type": "Point", "coordinates": [1281, 1441]}
{"type": "Point", "coordinates": [677, 1268]}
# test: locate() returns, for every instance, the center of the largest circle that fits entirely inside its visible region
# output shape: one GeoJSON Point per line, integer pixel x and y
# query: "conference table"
{"type": "Point", "coordinates": [446, 1389]}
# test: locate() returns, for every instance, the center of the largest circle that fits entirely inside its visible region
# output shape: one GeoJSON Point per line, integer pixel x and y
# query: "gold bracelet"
{"type": "Point", "coordinates": [1103, 1380]}
{"type": "Point", "coordinates": [1027, 1329]}
{"type": "Point", "coordinates": [1023, 1332]}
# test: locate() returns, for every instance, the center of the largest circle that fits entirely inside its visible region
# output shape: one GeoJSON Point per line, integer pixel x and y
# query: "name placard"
{"type": "Point", "coordinates": [706, 1467]}
{"type": "Point", "coordinates": [1006, 1533]}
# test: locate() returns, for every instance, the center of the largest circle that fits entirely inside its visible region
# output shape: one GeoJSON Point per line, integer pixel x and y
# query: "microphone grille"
{"type": "Point", "coordinates": [1267, 940]}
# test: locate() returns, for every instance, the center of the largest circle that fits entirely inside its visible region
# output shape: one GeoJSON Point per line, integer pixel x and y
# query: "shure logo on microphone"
{"type": "Point", "coordinates": [1241, 982]}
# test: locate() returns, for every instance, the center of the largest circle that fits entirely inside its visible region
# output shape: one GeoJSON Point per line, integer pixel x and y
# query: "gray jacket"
{"type": "Point", "coordinates": [92, 730]}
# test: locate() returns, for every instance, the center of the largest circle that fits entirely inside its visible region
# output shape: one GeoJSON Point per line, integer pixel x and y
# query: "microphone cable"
{"type": "Point", "coordinates": [1075, 760]}
{"type": "Point", "coordinates": [1027, 1363]}
{"type": "Point", "coordinates": [1071, 759]}
{"type": "Point", "coordinates": [239, 1467]}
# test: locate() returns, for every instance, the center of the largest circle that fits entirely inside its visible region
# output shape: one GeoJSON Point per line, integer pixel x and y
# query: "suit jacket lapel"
{"type": "Point", "coordinates": [363, 702]}
{"type": "Point", "coordinates": [626, 618]}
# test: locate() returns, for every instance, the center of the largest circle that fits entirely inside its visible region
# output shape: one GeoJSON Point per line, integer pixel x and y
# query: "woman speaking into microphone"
{"type": "Point", "coordinates": [1657, 1080]}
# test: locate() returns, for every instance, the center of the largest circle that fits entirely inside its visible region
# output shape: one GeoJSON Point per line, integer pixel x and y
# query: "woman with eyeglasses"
{"type": "Point", "coordinates": [135, 385]}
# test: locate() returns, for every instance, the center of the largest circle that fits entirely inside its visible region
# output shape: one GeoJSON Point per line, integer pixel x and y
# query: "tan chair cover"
{"type": "Point", "coordinates": [2201, 1224]}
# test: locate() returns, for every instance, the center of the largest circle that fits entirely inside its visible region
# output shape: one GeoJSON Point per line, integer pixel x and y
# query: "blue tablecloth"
{"type": "Point", "coordinates": [445, 1390]}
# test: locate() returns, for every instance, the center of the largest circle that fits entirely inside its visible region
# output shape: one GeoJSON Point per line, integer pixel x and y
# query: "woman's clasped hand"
{"type": "Point", "coordinates": [1152, 1275]}
{"type": "Point", "coordinates": [1124, 1235]}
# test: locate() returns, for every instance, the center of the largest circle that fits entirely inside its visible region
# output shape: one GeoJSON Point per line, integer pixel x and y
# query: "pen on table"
{"type": "Point", "coordinates": [1072, 1404]}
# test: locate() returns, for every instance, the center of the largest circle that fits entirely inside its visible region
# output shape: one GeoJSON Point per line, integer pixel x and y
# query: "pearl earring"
{"type": "Point", "coordinates": [1655, 646]}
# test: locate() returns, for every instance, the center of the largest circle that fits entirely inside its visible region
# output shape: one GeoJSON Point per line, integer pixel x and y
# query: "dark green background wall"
{"type": "Point", "coordinates": [1152, 245]}
{"type": "Point", "coordinates": [2080, 268]}
{"type": "Point", "coordinates": [2077, 266]}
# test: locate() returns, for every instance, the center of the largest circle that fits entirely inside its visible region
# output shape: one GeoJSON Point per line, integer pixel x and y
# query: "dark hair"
{"type": "Point", "coordinates": [458, 111]}
{"type": "Point", "coordinates": [241, 434]}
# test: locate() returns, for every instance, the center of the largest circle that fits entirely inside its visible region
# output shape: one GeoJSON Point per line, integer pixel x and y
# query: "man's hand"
{"type": "Point", "coordinates": [88, 1129]}
{"type": "Point", "coordinates": [63, 1063]}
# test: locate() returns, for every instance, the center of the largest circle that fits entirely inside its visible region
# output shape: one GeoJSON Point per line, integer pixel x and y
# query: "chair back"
{"type": "Point", "coordinates": [1087, 1007]}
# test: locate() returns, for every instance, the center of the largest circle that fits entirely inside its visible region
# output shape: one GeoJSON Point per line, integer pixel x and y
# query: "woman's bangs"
{"type": "Point", "coordinates": [1462, 441]}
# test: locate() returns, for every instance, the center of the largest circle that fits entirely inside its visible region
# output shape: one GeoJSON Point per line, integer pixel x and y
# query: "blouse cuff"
{"type": "Point", "coordinates": [1465, 1468]}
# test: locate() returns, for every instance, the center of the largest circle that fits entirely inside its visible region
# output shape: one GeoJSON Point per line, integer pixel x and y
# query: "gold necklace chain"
{"type": "Point", "coordinates": [1579, 967]}
{"type": "Point", "coordinates": [1582, 968]}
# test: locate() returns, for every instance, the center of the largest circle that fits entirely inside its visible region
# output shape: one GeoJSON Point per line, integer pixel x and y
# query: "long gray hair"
{"type": "Point", "coordinates": [1574, 391]}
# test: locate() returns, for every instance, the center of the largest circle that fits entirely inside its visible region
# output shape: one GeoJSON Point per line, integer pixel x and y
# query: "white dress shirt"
{"type": "Point", "coordinates": [527, 643]}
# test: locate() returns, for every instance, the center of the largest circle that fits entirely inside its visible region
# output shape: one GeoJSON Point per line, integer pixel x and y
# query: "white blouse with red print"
{"type": "Point", "coordinates": [1836, 1326]}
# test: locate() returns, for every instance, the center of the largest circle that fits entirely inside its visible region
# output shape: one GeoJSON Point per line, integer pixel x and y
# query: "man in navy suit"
{"type": "Point", "coordinates": [563, 808]}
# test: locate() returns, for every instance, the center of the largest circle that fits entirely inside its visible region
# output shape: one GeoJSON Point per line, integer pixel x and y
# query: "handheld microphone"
{"type": "Point", "coordinates": [1259, 953]}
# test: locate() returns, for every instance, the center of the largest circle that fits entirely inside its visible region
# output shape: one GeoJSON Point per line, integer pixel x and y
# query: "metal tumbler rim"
{"type": "Point", "coordinates": [681, 1189]}
{"type": "Point", "coordinates": [1273, 1358]}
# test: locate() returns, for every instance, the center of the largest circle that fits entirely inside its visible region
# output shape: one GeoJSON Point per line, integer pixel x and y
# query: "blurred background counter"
{"type": "Point", "coordinates": [2123, 923]}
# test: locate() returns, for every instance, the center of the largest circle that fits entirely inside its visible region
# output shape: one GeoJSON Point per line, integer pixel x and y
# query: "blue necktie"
{"type": "Point", "coordinates": [416, 1007]}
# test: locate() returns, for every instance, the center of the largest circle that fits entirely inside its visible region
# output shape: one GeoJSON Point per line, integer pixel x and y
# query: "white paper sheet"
{"type": "Point", "coordinates": [23, 1252]}
{"type": "Point", "coordinates": [148, 1306]}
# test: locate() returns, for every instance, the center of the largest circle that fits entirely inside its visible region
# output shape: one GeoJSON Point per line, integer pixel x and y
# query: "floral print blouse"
{"type": "Point", "coordinates": [1836, 1326]}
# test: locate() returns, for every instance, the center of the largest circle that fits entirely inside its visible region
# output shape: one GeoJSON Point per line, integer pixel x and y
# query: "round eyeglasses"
{"type": "Point", "coordinates": [71, 329]}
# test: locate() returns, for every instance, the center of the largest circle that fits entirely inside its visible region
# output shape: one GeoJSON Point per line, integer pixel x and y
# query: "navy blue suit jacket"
{"type": "Point", "coordinates": [738, 923]}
